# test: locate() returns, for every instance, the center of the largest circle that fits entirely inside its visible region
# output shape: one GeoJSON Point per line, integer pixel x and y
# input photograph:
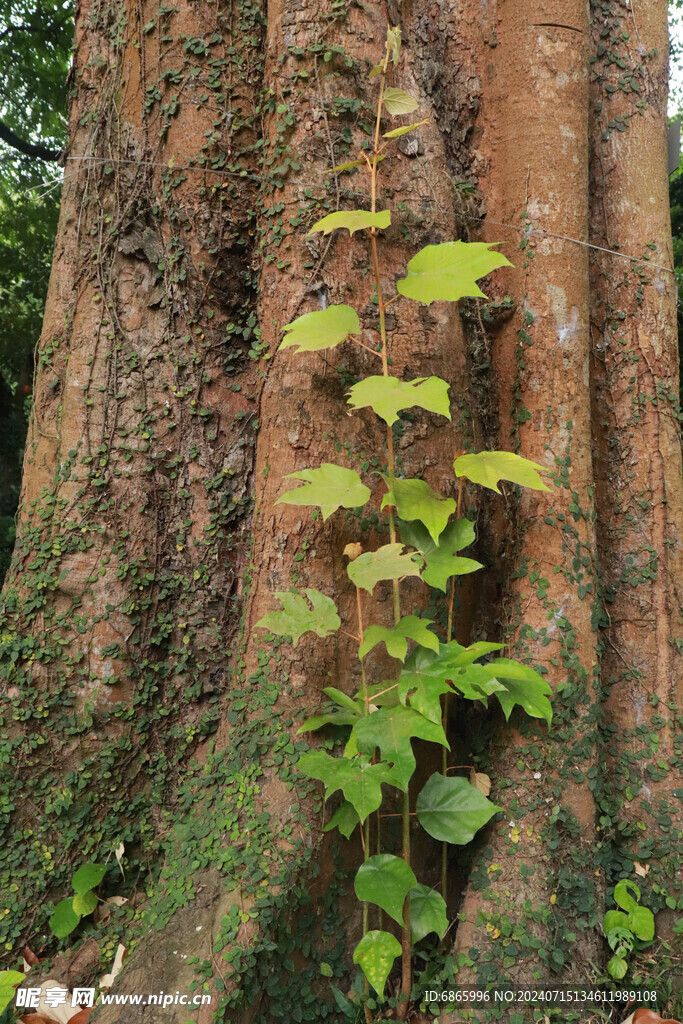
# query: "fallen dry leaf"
{"type": "Point", "coordinates": [82, 1015]}
{"type": "Point", "coordinates": [353, 550]}
{"type": "Point", "coordinates": [480, 781]}
{"type": "Point", "coordinates": [641, 869]}
{"type": "Point", "coordinates": [643, 1015]}
{"type": "Point", "coordinates": [53, 1014]}
{"type": "Point", "coordinates": [107, 980]}
{"type": "Point", "coordinates": [118, 853]}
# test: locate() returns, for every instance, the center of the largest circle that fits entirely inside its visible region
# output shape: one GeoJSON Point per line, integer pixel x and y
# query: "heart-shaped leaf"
{"type": "Point", "coordinates": [396, 101]}
{"type": "Point", "coordinates": [489, 468]}
{"type": "Point", "coordinates": [329, 486]}
{"type": "Point", "coordinates": [410, 627]}
{"type": "Point", "coordinates": [450, 271]}
{"type": "Point", "coordinates": [442, 560]}
{"type": "Point", "coordinates": [8, 984]}
{"type": "Point", "coordinates": [427, 913]}
{"type": "Point", "coordinates": [387, 396]}
{"type": "Point", "coordinates": [387, 563]}
{"type": "Point", "coordinates": [64, 919]}
{"type": "Point", "coordinates": [385, 880]}
{"type": "Point", "coordinates": [375, 953]}
{"type": "Point", "coordinates": [415, 499]}
{"type": "Point", "coordinates": [452, 810]}
{"type": "Point", "coordinates": [352, 220]}
{"type": "Point", "coordinates": [296, 618]}
{"type": "Point", "coordinates": [88, 876]}
{"type": "Point", "coordinates": [324, 328]}
{"type": "Point", "coordinates": [84, 903]}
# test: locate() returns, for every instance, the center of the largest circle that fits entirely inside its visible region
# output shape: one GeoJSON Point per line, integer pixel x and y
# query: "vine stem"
{"type": "Point", "coordinates": [444, 752]}
{"type": "Point", "coordinates": [406, 965]}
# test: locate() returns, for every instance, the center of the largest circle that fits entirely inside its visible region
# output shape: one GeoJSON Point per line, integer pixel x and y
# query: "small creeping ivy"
{"type": "Point", "coordinates": [426, 536]}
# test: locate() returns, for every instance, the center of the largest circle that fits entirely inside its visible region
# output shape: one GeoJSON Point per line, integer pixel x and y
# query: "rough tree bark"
{"type": "Point", "coordinates": [140, 704]}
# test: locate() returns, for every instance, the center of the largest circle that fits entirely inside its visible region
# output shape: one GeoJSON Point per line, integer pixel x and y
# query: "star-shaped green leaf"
{"type": "Point", "coordinates": [324, 328]}
{"type": "Point", "coordinates": [523, 686]}
{"type": "Point", "coordinates": [489, 468]}
{"type": "Point", "coordinates": [387, 563]}
{"type": "Point", "coordinates": [442, 560]}
{"type": "Point", "coordinates": [387, 396]}
{"type": "Point", "coordinates": [392, 729]}
{"type": "Point", "coordinates": [450, 271]}
{"type": "Point", "coordinates": [424, 693]}
{"type": "Point", "coordinates": [410, 627]}
{"type": "Point", "coordinates": [296, 618]}
{"type": "Point", "coordinates": [415, 499]}
{"type": "Point", "coordinates": [352, 220]}
{"type": "Point", "coordinates": [359, 780]}
{"type": "Point", "coordinates": [330, 487]}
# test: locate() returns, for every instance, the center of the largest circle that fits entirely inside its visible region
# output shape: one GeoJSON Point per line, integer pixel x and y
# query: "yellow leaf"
{"type": "Point", "coordinates": [553, 899]}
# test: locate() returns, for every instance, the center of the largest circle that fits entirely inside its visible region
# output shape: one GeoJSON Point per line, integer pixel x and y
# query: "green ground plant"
{"type": "Point", "coordinates": [631, 927]}
{"type": "Point", "coordinates": [426, 535]}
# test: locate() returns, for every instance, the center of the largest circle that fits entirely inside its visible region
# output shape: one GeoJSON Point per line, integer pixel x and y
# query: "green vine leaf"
{"type": "Point", "coordinates": [394, 43]}
{"type": "Point", "coordinates": [396, 101]}
{"type": "Point", "coordinates": [352, 220]}
{"type": "Point", "coordinates": [450, 271]}
{"type": "Point", "coordinates": [387, 396]}
{"type": "Point", "coordinates": [375, 954]}
{"type": "Point", "coordinates": [296, 618]}
{"type": "Point", "coordinates": [88, 877]}
{"type": "Point", "coordinates": [410, 627]}
{"type": "Point", "coordinates": [324, 328]}
{"type": "Point", "coordinates": [359, 781]}
{"type": "Point", "coordinates": [385, 880]}
{"type": "Point", "coordinates": [64, 919]}
{"type": "Point", "coordinates": [392, 729]}
{"type": "Point", "coordinates": [342, 699]}
{"type": "Point", "coordinates": [345, 818]}
{"type": "Point", "coordinates": [404, 129]}
{"type": "Point", "coordinates": [452, 810]}
{"type": "Point", "coordinates": [489, 468]}
{"type": "Point", "coordinates": [329, 486]}
{"type": "Point", "coordinates": [387, 563]}
{"type": "Point", "coordinates": [442, 560]}
{"type": "Point", "coordinates": [623, 897]}
{"type": "Point", "coordinates": [415, 499]}
{"type": "Point", "coordinates": [331, 718]}
{"type": "Point", "coordinates": [427, 913]}
{"type": "Point", "coordinates": [84, 903]}
{"type": "Point", "coordinates": [424, 693]}
{"type": "Point", "coordinates": [523, 686]}
{"type": "Point", "coordinates": [9, 980]}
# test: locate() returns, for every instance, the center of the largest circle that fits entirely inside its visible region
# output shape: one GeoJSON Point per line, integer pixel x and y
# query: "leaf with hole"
{"type": "Point", "coordinates": [392, 730]}
{"type": "Point", "coordinates": [64, 919]}
{"type": "Point", "coordinates": [352, 220]}
{"type": "Point", "coordinates": [396, 101]}
{"type": "Point", "coordinates": [410, 627]}
{"type": "Point", "coordinates": [385, 880]}
{"type": "Point", "coordinates": [442, 560]}
{"type": "Point", "coordinates": [450, 271]}
{"type": "Point", "coordinates": [623, 897]}
{"type": "Point", "coordinates": [296, 618]}
{"type": "Point", "coordinates": [489, 468]}
{"type": "Point", "coordinates": [424, 694]}
{"type": "Point", "coordinates": [427, 913]}
{"type": "Point", "coordinates": [88, 876]}
{"type": "Point", "coordinates": [404, 129]}
{"type": "Point", "coordinates": [452, 810]}
{"type": "Point", "coordinates": [324, 328]}
{"type": "Point", "coordinates": [329, 486]}
{"type": "Point", "coordinates": [415, 500]}
{"type": "Point", "coordinates": [387, 563]}
{"type": "Point", "coordinates": [387, 396]}
{"type": "Point", "coordinates": [358, 780]}
{"type": "Point", "coordinates": [375, 954]}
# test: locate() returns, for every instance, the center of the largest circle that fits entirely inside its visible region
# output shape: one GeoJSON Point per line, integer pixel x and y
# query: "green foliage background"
{"type": "Point", "coordinates": [35, 44]}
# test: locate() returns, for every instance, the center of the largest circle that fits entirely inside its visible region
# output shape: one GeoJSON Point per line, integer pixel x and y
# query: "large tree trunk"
{"type": "Point", "coordinates": [143, 706]}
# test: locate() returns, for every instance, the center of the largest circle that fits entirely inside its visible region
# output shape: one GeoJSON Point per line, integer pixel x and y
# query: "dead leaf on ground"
{"type": "Point", "coordinates": [643, 1015]}
{"type": "Point", "coordinates": [118, 853]}
{"type": "Point", "coordinates": [480, 781]}
{"type": "Point", "coordinates": [107, 980]}
{"type": "Point", "coordinates": [82, 1015]}
{"type": "Point", "coordinates": [641, 869]}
